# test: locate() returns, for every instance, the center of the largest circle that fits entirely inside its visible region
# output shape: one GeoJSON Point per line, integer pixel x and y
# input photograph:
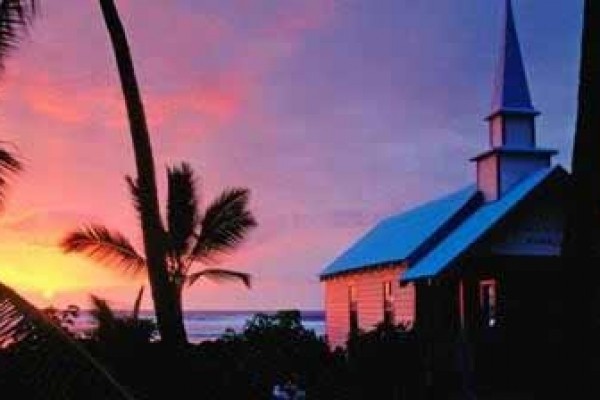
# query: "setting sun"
{"type": "Point", "coordinates": [44, 272]}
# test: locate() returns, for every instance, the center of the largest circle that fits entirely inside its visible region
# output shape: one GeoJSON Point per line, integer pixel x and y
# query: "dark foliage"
{"type": "Point", "coordinates": [237, 366]}
{"type": "Point", "coordinates": [274, 348]}
{"type": "Point", "coordinates": [579, 281]}
{"type": "Point", "coordinates": [225, 224]}
{"type": "Point", "coordinates": [384, 363]}
{"type": "Point", "coordinates": [9, 165]}
{"type": "Point", "coordinates": [65, 318]}
{"type": "Point", "coordinates": [119, 333]}
{"type": "Point", "coordinates": [40, 360]}
{"type": "Point", "coordinates": [182, 208]}
{"type": "Point", "coordinates": [103, 245]}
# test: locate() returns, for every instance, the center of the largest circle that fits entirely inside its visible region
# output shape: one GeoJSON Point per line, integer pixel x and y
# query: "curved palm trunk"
{"type": "Point", "coordinates": [581, 275]}
{"type": "Point", "coordinates": [169, 315]}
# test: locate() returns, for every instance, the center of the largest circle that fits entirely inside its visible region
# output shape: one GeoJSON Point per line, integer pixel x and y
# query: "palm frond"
{"type": "Point", "coordinates": [135, 191]}
{"type": "Point", "coordinates": [9, 165]}
{"type": "Point", "coordinates": [137, 196]}
{"type": "Point", "coordinates": [15, 17]}
{"type": "Point", "coordinates": [45, 362]}
{"type": "Point", "coordinates": [220, 275]}
{"type": "Point", "coordinates": [182, 208]}
{"type": "Point", "coordinates": [224, 225]}
{"type": "Point", "coordinates": [135, 314]}
{"type": "Point", "coordinates": [102, 313]}
{"type": "Point", "coordinates": [104, 246]}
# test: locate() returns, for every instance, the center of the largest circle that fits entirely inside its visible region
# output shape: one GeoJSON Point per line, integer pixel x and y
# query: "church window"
{"type": "Point", "coordinates": [388, 303]}
{"type": "Point", "coordinates": [488, 302]}
{"type": "Point", "coordinates": [353, 308]}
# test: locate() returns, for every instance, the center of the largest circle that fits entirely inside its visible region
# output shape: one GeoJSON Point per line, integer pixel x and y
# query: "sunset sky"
{"type": "Point", "coordinates": [334, 112]}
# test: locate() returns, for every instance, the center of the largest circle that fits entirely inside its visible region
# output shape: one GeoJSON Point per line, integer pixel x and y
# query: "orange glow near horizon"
{"type": "Point", "coordinates": [46, 276]}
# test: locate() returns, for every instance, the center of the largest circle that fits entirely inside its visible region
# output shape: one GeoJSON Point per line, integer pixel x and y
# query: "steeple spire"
{"type": "Point", "coordinates": [513, 153]}
{"type": "Point", "coordinates": [511, 91]}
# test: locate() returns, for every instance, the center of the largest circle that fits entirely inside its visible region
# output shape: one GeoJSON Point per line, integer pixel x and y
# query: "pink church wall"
{"type": "Point", "coordinates": [369, 287]}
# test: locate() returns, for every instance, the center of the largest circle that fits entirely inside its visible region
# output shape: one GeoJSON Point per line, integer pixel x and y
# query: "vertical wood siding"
{"type": "Point", "coordinates": [369, 287]}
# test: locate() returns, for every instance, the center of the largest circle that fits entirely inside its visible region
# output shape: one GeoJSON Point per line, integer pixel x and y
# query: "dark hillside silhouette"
{"type": "Point", "coordinates": [582, 236]}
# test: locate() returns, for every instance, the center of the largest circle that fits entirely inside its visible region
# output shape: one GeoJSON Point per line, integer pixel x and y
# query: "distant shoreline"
{"type": "Point", "coordinates": [204, 325]}
{"type": "Point", "coordinates": [271, 311]}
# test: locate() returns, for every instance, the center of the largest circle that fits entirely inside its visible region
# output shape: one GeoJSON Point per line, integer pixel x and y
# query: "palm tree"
{"type": "Point", "coordinates": [195, 238]}
{"type": "Point", "coordinates": [120, 332]}
{"type": "Point", "coordinates": [169, 318]}
{"type": "Point", "coordinates": [582, 233]}
{"type": "Point", "coordinates": [15, 17]}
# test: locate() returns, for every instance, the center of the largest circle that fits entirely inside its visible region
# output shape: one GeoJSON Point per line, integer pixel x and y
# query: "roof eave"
{"type": "Point", "coordinates": [515, 111]}
{"type": "Point", "coordinates": [557, 170]}
{"type": "Point", "coordinates": [514, 150]}
{"type": "Point", "coordinates": [363, 268]}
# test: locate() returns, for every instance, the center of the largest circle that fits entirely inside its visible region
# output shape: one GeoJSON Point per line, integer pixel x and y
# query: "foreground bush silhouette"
{"type": "Point", "coordinates": [243, 365]}
{"type": "Point", "coordinates": [384, 363]}
{"type": "Point", "coordinates": [271, 349]}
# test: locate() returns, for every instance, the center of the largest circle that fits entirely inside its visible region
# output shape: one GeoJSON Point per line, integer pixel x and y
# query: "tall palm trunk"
{"type": "Point", "coordinates": [581, 272]}
{"type": "Point", "coordinates": [169, 316]}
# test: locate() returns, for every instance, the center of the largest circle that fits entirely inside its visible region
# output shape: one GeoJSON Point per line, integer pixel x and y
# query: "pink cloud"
{"type": "Point", "coordinates": [61, 104]}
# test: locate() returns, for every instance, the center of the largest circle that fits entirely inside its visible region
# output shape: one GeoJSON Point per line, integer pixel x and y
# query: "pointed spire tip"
{"type": "Point", "coordinates": [511, 90]}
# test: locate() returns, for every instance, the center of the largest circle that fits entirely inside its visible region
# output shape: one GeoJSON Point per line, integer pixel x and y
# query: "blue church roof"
{"type": "Point", "coordinates": [511, 91]}
{"type": "Point", "coordinates": [398, 237]}
{"type": "Point", "coordinates": [431, 237]}
{"type": "Point", "coordinates": [474, 227]}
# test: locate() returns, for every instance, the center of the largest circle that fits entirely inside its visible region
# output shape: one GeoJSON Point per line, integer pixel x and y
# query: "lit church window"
{"type": "Point", "coordinates": [488, 302]}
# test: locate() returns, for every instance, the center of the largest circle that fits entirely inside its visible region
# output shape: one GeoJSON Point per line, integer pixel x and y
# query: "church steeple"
{"type": "Point", "coordinates": [511, 91]}
{"type": "Point", "coordinates": [513, 154]}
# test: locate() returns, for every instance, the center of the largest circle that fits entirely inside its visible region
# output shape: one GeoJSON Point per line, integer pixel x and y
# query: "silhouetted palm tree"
{"type": "Point", "coordinates": [169, 318]}
{"type": "Point", "coordinates": [194, 238]}
{"type": "Point", "coordinates": [15, 17]}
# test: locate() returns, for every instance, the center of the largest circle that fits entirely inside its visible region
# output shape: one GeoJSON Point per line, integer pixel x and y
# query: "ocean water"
{"type": "Point", "coordinates": [210, 325]}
